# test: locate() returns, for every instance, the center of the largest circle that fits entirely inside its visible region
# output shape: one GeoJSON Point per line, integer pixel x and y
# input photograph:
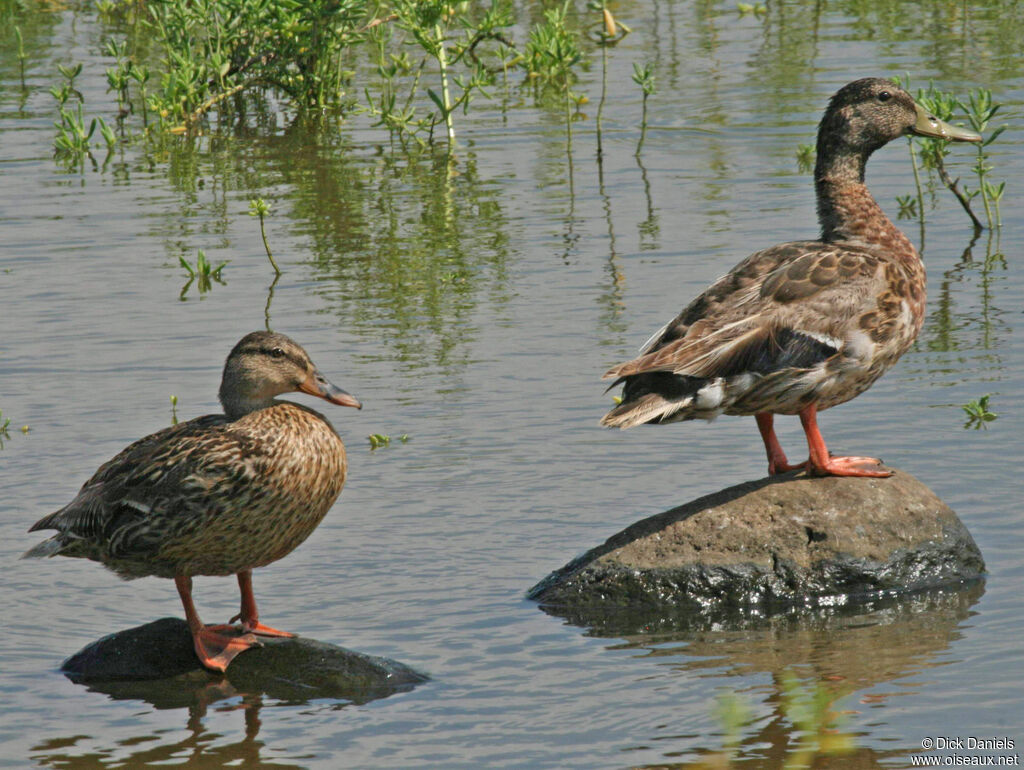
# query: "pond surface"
{"type": "Point", "coordinates": [475, 308]}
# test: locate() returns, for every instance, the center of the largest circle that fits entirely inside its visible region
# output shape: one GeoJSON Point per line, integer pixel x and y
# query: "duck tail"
{"type": "Point", "coordinates": [651, 407]}
{"type": "Point", "coordinates": [49, 547]}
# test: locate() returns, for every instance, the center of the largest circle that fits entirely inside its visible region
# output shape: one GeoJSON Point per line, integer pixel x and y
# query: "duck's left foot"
{"type": "Point", "coordinates": [216, 646]}
{"type": "Point", "coordinates": [253, 626]}
{"type": "Point", "coordinates": [868, 467]}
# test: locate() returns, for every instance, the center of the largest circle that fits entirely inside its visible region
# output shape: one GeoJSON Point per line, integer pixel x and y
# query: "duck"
{"type": "Point", "coordinates": [803, 326]}
{"type": "Point", "coordinates": [218, 495]}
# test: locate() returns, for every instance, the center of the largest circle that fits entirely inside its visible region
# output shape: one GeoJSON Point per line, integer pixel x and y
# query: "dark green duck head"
{"type": "Point", "coordinates": [264, 365]}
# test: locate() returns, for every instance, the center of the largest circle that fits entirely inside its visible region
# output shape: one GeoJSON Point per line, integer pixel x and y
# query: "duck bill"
{"type": "Point", "coordinates": [929, 125]}
{"type": "Point", "coordinates": [317, 385]}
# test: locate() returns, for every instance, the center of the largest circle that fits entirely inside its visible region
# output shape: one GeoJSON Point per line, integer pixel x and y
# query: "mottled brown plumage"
{"type": "Point", "coordinates": [217, 495]}
{"type": "Point", "coordinates": [806, 325]}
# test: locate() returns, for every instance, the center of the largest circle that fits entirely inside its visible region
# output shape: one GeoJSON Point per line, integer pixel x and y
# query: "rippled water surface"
{"type": "Point", "coordinates": [474, 308]}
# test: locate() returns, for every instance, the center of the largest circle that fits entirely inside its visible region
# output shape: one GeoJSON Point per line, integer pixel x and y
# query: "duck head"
{"type": "Point", "coordinates": [266, 364]}
{"type": "Point", "coordinates": [868, 113]}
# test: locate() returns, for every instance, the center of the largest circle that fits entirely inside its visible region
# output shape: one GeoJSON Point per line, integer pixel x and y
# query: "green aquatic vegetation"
{"type": "Point", "coordinates": [908, 206]}
{"type": "Point", "coordinates": [259, 208]}
{"type": "Point", "coordinates": [805, 155]}
{"type": "Point", "coordinates": [4, 424]}
{"type": "Point", "coordinates": [174, 409]}
{"type": "Point", "coordinates": [378, 440]}
{"type": "Point", "coordinates": [203, 273]}
{"type": "Point", "coordinates": [451, 38]}
{"type": "Point", "coordinates": [813, 727]}
{"type": "Point", "coordinates": [214, 49]}
{"type": "Point", "coordinates": [978, 414]}
{"type": "Point", "coordinates": [980, 109]}
{"type": "Point", "coordinates": [73, 142]}
{"type": "Point", "coordinates": [21, 55]}
{"type": "Point", "coordinates": [607, 31]}
{"type": "Point", "coordinates": [643, 76]}
{"type": "Point", "coordinates": [758, 9]}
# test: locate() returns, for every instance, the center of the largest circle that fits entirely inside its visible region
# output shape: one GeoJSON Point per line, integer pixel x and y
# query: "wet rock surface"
{"type": "Point", "coordinates": [772, 545]}
{"type": "Point", "coordinates": [129, 663]}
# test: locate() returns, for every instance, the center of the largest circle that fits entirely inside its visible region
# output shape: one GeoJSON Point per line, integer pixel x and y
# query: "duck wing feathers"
{"type": "Point", "coordinates": [787, 306]}
{"type": "Point", "coordinates": [155, 489]}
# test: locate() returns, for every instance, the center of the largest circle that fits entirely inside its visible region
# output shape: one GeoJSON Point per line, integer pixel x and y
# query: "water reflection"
{"type": "Point", "coordinates": [841, 653]}
{"type": "Point", "coordinates": [200, 748]}
{"type": "Point", "coordinates": [344, 680]}
{"type": "Point", "coordinates": [953, 327]}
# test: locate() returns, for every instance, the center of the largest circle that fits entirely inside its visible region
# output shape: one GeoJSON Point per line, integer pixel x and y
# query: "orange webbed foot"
{"type": "Point", "coordinates": [216, 646]}
{"type": "Point", "coordinates": [255, 627]}
{"type": "Point", "coordinates": [867, 467]}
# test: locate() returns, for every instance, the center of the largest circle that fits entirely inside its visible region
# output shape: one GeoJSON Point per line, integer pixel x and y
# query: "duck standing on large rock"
{"type": "Point", "coordinates": [801, 326]}
{"type": "Point", "coordinates": [217, 495]}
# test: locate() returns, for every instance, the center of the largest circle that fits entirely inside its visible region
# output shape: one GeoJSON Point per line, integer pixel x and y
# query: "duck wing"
{"type": "Point", "coordinates": [156, 485]}
{"type": "Point", "coordinates": [787, 306]}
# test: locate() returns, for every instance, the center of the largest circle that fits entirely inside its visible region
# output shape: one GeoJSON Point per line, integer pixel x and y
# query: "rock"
{"type": "Point", "coordinates": [156, 662]}
{"type": "Point", "coordinates": [781, 543]}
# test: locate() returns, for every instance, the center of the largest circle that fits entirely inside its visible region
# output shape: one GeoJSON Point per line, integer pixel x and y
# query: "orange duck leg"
{"type": "Point", "coordinates": [820, 462]}
{"type": "Point", "coordinates": [215, 646]}
{"type": "Point", "coordinates": [248, 615]}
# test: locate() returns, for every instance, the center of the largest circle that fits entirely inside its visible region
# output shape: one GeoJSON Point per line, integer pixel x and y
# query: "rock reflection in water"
{"type": "Point", "coordinates": [832, 653]}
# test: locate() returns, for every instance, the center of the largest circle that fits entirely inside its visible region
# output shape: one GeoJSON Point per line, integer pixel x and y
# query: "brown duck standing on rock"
{"type": "Point", "coordinates": [801, 326]}
{"type": "Point", "coordinates": [217, 495]}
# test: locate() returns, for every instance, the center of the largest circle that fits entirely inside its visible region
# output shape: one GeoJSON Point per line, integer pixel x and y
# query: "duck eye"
{"type": "Point", "coordinates": [277, 353]}
{"type": "Point", "coordinates": [884, 96]}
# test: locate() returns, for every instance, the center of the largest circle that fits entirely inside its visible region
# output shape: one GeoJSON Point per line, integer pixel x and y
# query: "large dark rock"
{"type": "Point", "coordinates": [770, 545]}
{"type": "Point", "coordinates": [156, 662]}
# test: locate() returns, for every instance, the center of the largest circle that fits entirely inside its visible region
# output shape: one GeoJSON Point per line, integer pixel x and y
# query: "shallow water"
{"type": "Point", "coordinates": [475, 312]}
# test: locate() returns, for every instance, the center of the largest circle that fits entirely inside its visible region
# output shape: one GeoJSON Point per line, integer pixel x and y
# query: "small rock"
{"type": "Point", "coordinates": [776, 543]}
{"type": "Point", "coordinates": [131, 662]}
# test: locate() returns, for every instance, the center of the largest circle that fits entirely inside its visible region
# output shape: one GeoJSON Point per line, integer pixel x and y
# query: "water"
{"type": "Point", "coordinates": [475, 312]}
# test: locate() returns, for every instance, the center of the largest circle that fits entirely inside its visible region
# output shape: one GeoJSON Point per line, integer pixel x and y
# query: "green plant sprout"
{"type": "Point", "coordinates": [980, 109]}
{"type": "Point", "coordinates": [805, 154]}
{"type": "Point", "coordinates": [908, 206]}
{"type": "Point", "coordinates": [21, 55]}
{"type": "Point", "coordinates": [643, 76]}
{"type": "Point", "coordinates": [174, 409]}
{"type": "Point", "coordinates": [378, 440]}
{"type": "Point", "coordinates": [204, 272]}
{"type": "Point", "coordinates": [551, 53]}
{"type": "Point", "coordinates": [978, 414]}
{"type": "Point", "coordinates": [73, 142]}
{"type": "Point", "coordinates": [259, 208]}
{"type": "Point", "coordinates": [4, 424]}
{"type": "Point", "coordinates": [758, 9]}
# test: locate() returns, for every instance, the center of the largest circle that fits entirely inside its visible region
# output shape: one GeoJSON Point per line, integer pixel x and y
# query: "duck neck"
{"type": "Point", "coordinates": [238, 402]}
{"type": "Point", "coordinates": [846, 209]}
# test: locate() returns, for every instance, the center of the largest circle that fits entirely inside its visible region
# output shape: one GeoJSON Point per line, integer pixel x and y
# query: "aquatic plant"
{"type": "Point", "coordinates": [21, 55]}
{"type": "Point", "coordinates": [978, 414]}
{"type": "Point", "coordinates": [174, 409]}
{"type": "Point", "coordinates": [4, 424]}
{"type": "Point", "coordinates": [214, 49]}
{"type": "Point", "coordinates": [73, 142]}
{"type": "Point", "coordinates": [259, 208]}
{"type": "Point", "coordinates": [643, 76]}
{"type": "Point", "coordinates": [805, 154]}
{"type": "Point", "coordinates": [378, 440]}
{"type": "Point", "coordinates": [908, 206]}
{"type": "Point", "coordinates": [979, 109]}
{"type": "Point", "coordinates": [550, 55]}
{"type": "Point", "coordinates": [452, 37]}
{"type": "Point", "coordinates": [204, 272]}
